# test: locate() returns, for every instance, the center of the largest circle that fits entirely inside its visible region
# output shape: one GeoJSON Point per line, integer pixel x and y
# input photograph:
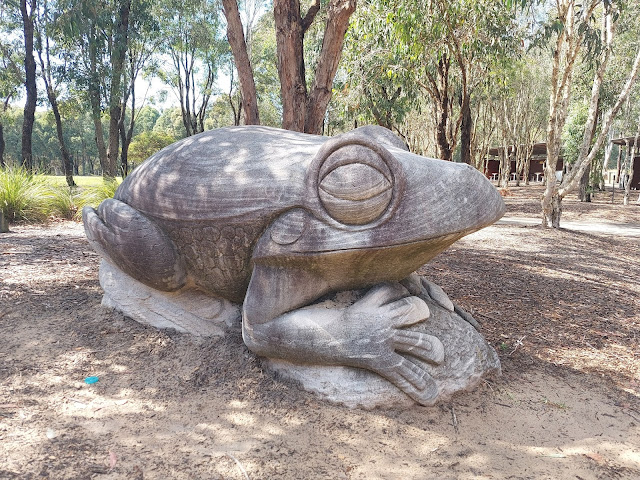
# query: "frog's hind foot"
{"type": "Point", "coordinates": [134, 243]}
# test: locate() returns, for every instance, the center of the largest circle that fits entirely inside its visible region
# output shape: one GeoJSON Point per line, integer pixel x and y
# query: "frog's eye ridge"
{"type": "Point", "coordinates": [356, 182]}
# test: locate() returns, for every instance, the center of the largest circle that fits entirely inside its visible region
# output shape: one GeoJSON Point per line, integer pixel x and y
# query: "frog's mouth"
{"type": "Point", "coordinates": [352, 268]}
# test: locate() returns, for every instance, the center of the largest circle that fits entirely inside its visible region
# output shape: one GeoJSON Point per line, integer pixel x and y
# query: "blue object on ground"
{"type": "Point", "coordinates": [91, 380]}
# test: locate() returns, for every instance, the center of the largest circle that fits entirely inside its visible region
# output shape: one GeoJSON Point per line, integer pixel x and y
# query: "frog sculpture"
{"type": "Point", "coordinates": [278, 220]}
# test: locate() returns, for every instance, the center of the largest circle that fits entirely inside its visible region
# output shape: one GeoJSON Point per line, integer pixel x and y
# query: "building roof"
{"type": "Point", "coordinates": [624, 140]}
{"type": "Point", "coordinates": [538, 149]}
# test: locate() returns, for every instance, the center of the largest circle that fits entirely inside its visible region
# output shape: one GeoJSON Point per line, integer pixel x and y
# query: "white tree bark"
{"type": "Point", "coordinates": [568, 46]}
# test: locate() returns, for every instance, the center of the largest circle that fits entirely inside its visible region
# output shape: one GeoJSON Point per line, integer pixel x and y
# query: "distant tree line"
{"type": "Point", "coordinates": [452, 77]}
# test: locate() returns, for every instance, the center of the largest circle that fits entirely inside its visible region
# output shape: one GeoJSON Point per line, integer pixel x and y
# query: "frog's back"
{"type": "Point", "coordinates": [216, 192]}
{"type": "Point", "coordinates": [228, 173]}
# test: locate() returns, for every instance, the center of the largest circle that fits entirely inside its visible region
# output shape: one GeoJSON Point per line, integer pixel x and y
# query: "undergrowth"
{"type": "Point", "coordinates": [23, 197]}
{"type": "Point", "coordinates": [26, 197]}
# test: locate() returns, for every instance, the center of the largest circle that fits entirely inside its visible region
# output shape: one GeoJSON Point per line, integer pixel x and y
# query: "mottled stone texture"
{"type": "Point", "coordinates": [187, 311]}
{"type": "Point", "coordinates": [278, 221]}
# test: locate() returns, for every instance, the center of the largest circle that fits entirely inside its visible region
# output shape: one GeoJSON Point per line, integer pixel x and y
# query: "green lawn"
{"type": "Point", "coordinates": [89, 181]}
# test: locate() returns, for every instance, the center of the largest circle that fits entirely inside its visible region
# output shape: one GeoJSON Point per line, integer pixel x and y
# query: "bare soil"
{"type": "Point", "coordinates": [561, 308]}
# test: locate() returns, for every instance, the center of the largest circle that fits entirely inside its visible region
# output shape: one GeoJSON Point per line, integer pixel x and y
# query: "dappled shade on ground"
{"type": "Point", "coordinates": [561, 308]}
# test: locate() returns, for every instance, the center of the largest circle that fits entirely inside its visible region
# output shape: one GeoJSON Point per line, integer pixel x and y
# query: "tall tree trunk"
{"type": "Point", "coordinates": [588, 150]}
{"type": "Point", "coordinates": [118, 56]}
{"type": "Point", "coordinates": [552, 211]}
{"type": "Point", "coordinates": [2, 146]}
{"type": "Point", "coordinates": [235, 35]}
{"type": "Point", "coordinates": [126, 134]}
{"type": "Point", "coordinates": [67, 163]}
{"type": "Point", "coordinates": [583, 188]}
{"type": "Point", "coordinates": [627, 185]}
{"type": "Point", "coordinates": [291, 69]}
{"type": "Point", "coordinates": [338, 14]}
{"type": "Point", "coordinates": [466, 129]}
{"type": "Point", "coordinates": [505, 168]}
{"type": "Point", "coordinates": [445, 150]}
{"type": "Point", "coordinates": [93, 92]}
{"type": "Point", "coordinates": [30, 83]}
{"type": "Point", "coordinates": [304, 111]}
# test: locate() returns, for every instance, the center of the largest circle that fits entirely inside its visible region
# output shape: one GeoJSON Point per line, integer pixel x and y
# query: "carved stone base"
{"type": "Point", "coordinates": [468, 357]}
{"type": "Point", "coordinates": [188, 310]}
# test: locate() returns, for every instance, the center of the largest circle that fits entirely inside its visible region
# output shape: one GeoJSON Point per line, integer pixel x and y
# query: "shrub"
{"type": "Point", "coordinates": [23, 196]}
{"type": "Point", "coordinates": [63, 202]}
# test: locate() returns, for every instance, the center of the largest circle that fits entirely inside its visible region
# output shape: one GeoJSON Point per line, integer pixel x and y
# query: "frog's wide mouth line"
{"type": "Point", "coordinates": [432, 246]}
{"type": "Point", "coordinates": [448, 238]}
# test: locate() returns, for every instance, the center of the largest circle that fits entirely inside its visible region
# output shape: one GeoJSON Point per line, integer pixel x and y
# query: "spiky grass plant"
{"type": "Point", "coordinates": [64, 202]}
{"type": "Point", "coordinates": [23, 196]}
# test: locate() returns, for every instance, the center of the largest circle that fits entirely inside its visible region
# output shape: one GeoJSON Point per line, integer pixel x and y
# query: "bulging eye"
{"type": "Point", "coordinates": [354, 183]}
{"type": "Point", "coordinates": [355, 193]}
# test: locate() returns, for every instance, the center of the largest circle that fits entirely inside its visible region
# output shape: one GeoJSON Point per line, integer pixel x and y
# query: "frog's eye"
{"type": "Point", "coordinates": [355, 193]}
{"type": "Point", "coordinates": [356, 180]}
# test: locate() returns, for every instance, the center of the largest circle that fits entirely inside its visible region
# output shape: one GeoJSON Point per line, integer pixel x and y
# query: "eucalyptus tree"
{"type": "Point", "coordinates": [11, 76]}
{"type": "Point", "coordinates": [143, 43]}
{"type": "Point", "coordinates": [118, 40]}
{"type": "Point", "coordinates": [28, 13]}
{"type": "Point", "coordinates": [84, 26]}
{"type": "Point", "coordinates": [377, 88]}
{"type": "Point", "coordinates": [45, 35]}
{"type": "Point", "coordinates": [521, 113]}
{"type": "Point", "coordinates": [452, 46]}
{"type": "Point", "coordinates": [575, 27]}
{"type": "Point", "coordinates": [239, 41]}
{"type": "Point", "coordinates": [190, 30]}
{"type": "Point", "coordinates": [304, 98]}
{"type": "Point", "coordinates": [96, 39]}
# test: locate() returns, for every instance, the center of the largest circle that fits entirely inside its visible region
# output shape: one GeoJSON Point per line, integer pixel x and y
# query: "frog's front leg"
{"type": "Point", "coordinates": [369, 334]}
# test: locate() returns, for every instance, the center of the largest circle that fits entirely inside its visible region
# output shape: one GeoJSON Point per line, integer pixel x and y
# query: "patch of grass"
{"type": "Point", "coordinates": [64, 202]}
{"type": "Point", "coordinates": [23, 196]}
{"type": "Point", "coordinates": [93, 195]}
{"type": "Point", "coordinates": [26, 197]}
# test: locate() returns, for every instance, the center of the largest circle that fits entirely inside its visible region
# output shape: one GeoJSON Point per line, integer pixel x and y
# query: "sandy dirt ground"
{"type": "Point", "coordinates": [562, 308]}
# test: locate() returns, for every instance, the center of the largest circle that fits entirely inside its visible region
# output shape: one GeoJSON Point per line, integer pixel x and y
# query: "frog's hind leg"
{"type": "Point", "coordinates": [135, 244]}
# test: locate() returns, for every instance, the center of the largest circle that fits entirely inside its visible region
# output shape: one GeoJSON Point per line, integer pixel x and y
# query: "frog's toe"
{"type": "Point", "coordinates": [414, 381]}
{"type": "Point", "coordinates": [135, 244]}
{"type": "Point", "coordinates": [420, 345]}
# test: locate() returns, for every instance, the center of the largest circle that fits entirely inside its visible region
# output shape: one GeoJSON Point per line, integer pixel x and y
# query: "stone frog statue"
{"type": "Point", "coordinates": [277, 220]}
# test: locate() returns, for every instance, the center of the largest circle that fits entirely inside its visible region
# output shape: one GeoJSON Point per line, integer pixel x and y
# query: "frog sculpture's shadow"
{"type": "Point", "coordinates": [308, 243]}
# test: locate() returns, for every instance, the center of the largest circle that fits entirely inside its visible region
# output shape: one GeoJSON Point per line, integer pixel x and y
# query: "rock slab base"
{"type": "Point", "coordinates": [468, 357]}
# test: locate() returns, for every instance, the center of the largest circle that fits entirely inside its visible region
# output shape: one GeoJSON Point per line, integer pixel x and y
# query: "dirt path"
{"type": "Point", "coordinates": [561, 308]}
{"type": "Point", "coordinates": [609, 228]}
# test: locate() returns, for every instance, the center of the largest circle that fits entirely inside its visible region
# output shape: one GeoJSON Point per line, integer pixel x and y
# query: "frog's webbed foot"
{"type": "Point", "coordinates": [392, 348]}
{"type": "Point", "coordinates": [135, 244]}
{"type": "Point", "coordinates": [427, 290]}
{"type": "Point", "coordinates": [374, 334]}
